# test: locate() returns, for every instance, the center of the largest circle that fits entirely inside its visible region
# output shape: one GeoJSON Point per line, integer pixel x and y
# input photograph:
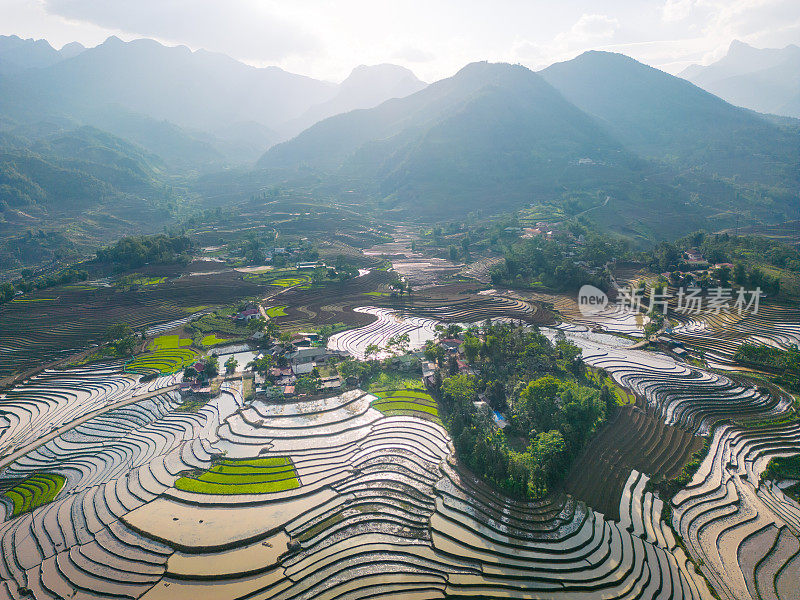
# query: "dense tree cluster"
{"type": "Point", "coordinates": [553, 408]}
{"type": "Point", "coordinates": [746, 252]}
{"type": "Point", "coordinates": [133, 252]}
{"type": "Point", "coordinates": [785, 362]}
{"type": "Point", "coordinates": [28, 284]}
{"type": "Point", "coordinates": [554, 265]}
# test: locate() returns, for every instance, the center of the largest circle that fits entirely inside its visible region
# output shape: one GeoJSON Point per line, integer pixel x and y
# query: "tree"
{"type": "Point", "coordinates": [453, 253]}
{"type": "Point", "coordinates": [6, 292]}
{"type": "Point", "coordinates": [118, 331]}
{"type": "Point", "coordinates": [211, 369]}
{"type": "Point", "coordinates": [537, 403]}
{"type": "Point", "coordinates": [190, 373]}
{"type": "Point", "coordinates": [724, 276]}
{"type": "Point", "coordinates": [399, 342]}
{"type": "Point", "coordinates": [125, 346]}
{"type": "Point", "coordinates": [472, 346]}
{"type": "Point", "coordinates": [230, 365]}
{"type": "Point", "coordinates": [371, 350]}
{"type": "Point", "coordinates": [308, 384]}
{"type": "Point", "coordinates": [261, 364]}
{"type": "Point", "coordinates": [256, 324]}
{"type": "Point", "coordinates": [607, 398]}
{"type": "Point", "coordinates": [434, 352]}
{"type": "Point", "coordinates": [739, 274]}
{"type": "Point", "coordinates": [459, 389]}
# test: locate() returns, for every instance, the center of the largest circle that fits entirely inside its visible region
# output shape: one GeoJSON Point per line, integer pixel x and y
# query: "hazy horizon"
{"type": "Point", "coordinates": [318, 40]}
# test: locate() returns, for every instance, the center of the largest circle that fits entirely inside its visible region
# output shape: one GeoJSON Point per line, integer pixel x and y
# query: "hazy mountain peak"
{"type": "Point", "coordinates": [762, 79]}
{"type": "Point", "coordinates": [71, 49]}
{"type": "Point", "coordinates": [366, 86]}
{"type": "Point", "coordinates": [18, 54]}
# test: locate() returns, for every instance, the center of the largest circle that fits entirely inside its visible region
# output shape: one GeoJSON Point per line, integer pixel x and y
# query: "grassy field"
{"type": "Point", "coordinates": [276, 311]}
{"type": "Point", "coordinates": [35, 491]}
{"type": "Point", "coordinates": [280, 277]}
{"type": "Point", "coordinates": [219, 323]}
{"type": "Point", "coordinates": [394, 380]}
{"type": "Point", "coordinates": [213, 340]}
{"type": "Point", "coordinates": [622, 396]}
{"type": "Point", "coordinates": [790, 281]}
{"type": "Point", "coordinates": [169, 342]}
{"type": "Point", "coordinates": [407, 402]}
{"type": "Point", "coordinates": [247, 476]}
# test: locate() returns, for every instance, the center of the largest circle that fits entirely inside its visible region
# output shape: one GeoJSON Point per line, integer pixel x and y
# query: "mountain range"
{"type": "Point", "coordinates": [496, 136]}
{"type": "Point", "coordinates": [126, 135]}
{"type": "Point", "coordinates": [766, 80]}
{"type": "Point", "coordinates": [170, 99]}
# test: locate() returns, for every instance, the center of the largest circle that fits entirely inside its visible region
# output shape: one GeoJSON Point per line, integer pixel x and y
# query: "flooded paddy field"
{"type": "Point", "coordinates": [108, 489]}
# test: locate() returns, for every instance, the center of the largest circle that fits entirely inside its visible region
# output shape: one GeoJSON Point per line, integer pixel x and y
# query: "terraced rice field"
{"type": "Point", "coordinates": [718, 336]}
{"type": "Point", "coordinates": [388, 324]}
{"type": "Point", "coordinates": [78, 316]}
{"type": "Point", "coordinates": [169, 342]}
{"type": "Point", "coordinates": [359, 495]}
{"type": "Point", "coordinates": [34, 491]}
{"type": "Point", "coordinates": [162, 361]}
{"type": "Point", "coordinates": [416, 403]}
{"type": "Point", "coordinates": [276, 311]}
{"type": "Point", "coordinates": [256, 476]}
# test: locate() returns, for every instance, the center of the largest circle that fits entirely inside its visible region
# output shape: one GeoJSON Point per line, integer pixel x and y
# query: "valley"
{"type": "Point", "coordinates": [527, 331]}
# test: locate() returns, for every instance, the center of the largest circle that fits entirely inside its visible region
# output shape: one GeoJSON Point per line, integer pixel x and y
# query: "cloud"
{"type": "Point", "coordinates": [413, 54]}
{"type": "Point", "coordinates": [676, 10]}
{"type": "Point", "coordinates": [589, 32]}
{"type": "Point", "coordinates": [247, 29]}
{"type": "Point", "coordinates": [589, 28]}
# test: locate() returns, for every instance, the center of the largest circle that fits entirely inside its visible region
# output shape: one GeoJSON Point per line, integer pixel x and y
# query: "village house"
{"type": "Point", "coordinates": [246, 315]}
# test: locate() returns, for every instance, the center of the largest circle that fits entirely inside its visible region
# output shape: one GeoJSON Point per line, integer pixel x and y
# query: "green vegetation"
{"type": "Point", "coordinates": [8, 290]}
{"type": "Point", "coordinates": [134, 252]}
{"type": "Point", "coordinates": [212, 340]}
{"type": "Point", "coordinates": [246, 476]}
{"type": "Point", "coordinates": [169, 342]}
{"type": "Point", "coordinates": [280, 277]}
{"type": "Point", "coordinates": [667, 488]}
{"type": "Point", "coordinates": [784, 362]}
{"type": "Point", "coordinates": [35, 491]}
{"type": "Point", "coordinates": [758, 261]}
{"type": "Point", "coordinates": [138, 279]}
{"type": "Point", "coordinates": [386, 379]}
{"type": "Point", "coordinates": [601, 379]}
{"type": "Point", "coordinates": [192, 404]}
{"type": "Point", "coordinates": [163, 361]}
{"type": "Point", "coordinates": [785, 467]}
{"type": "Point", "coordinates": [553, 408]}
{"type": "Point", "coordinates": [276, 311]}
{"type": "Point", "coordinates": [554, 264]}
{"type": "Point", "coordinates": [223, 322]}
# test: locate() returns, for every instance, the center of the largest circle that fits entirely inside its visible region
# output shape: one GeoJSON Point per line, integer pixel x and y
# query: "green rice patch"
{"type": "Point", "coordinates": [169, 342]}
{"type": "Point", "coordinates": [249, 476]}
{"type": "Point", "coordinates": [276, 311]}
{"type": "Point", "coordinates": [35, 491]}
{"type": "Point", "coordinates": [288, 281]}
{"type": "Point", "coordinates": [407, 402]}
{"type": "Point", "coordinates": [409, 393]}
{"type": "Point", "coordinates": [212, 340]}
{"type": "Point", "coordinates": [162, 361]}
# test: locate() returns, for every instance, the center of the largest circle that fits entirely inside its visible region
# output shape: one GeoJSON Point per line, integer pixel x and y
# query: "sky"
{"type": "Point", "coordinates": [326, 39]}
